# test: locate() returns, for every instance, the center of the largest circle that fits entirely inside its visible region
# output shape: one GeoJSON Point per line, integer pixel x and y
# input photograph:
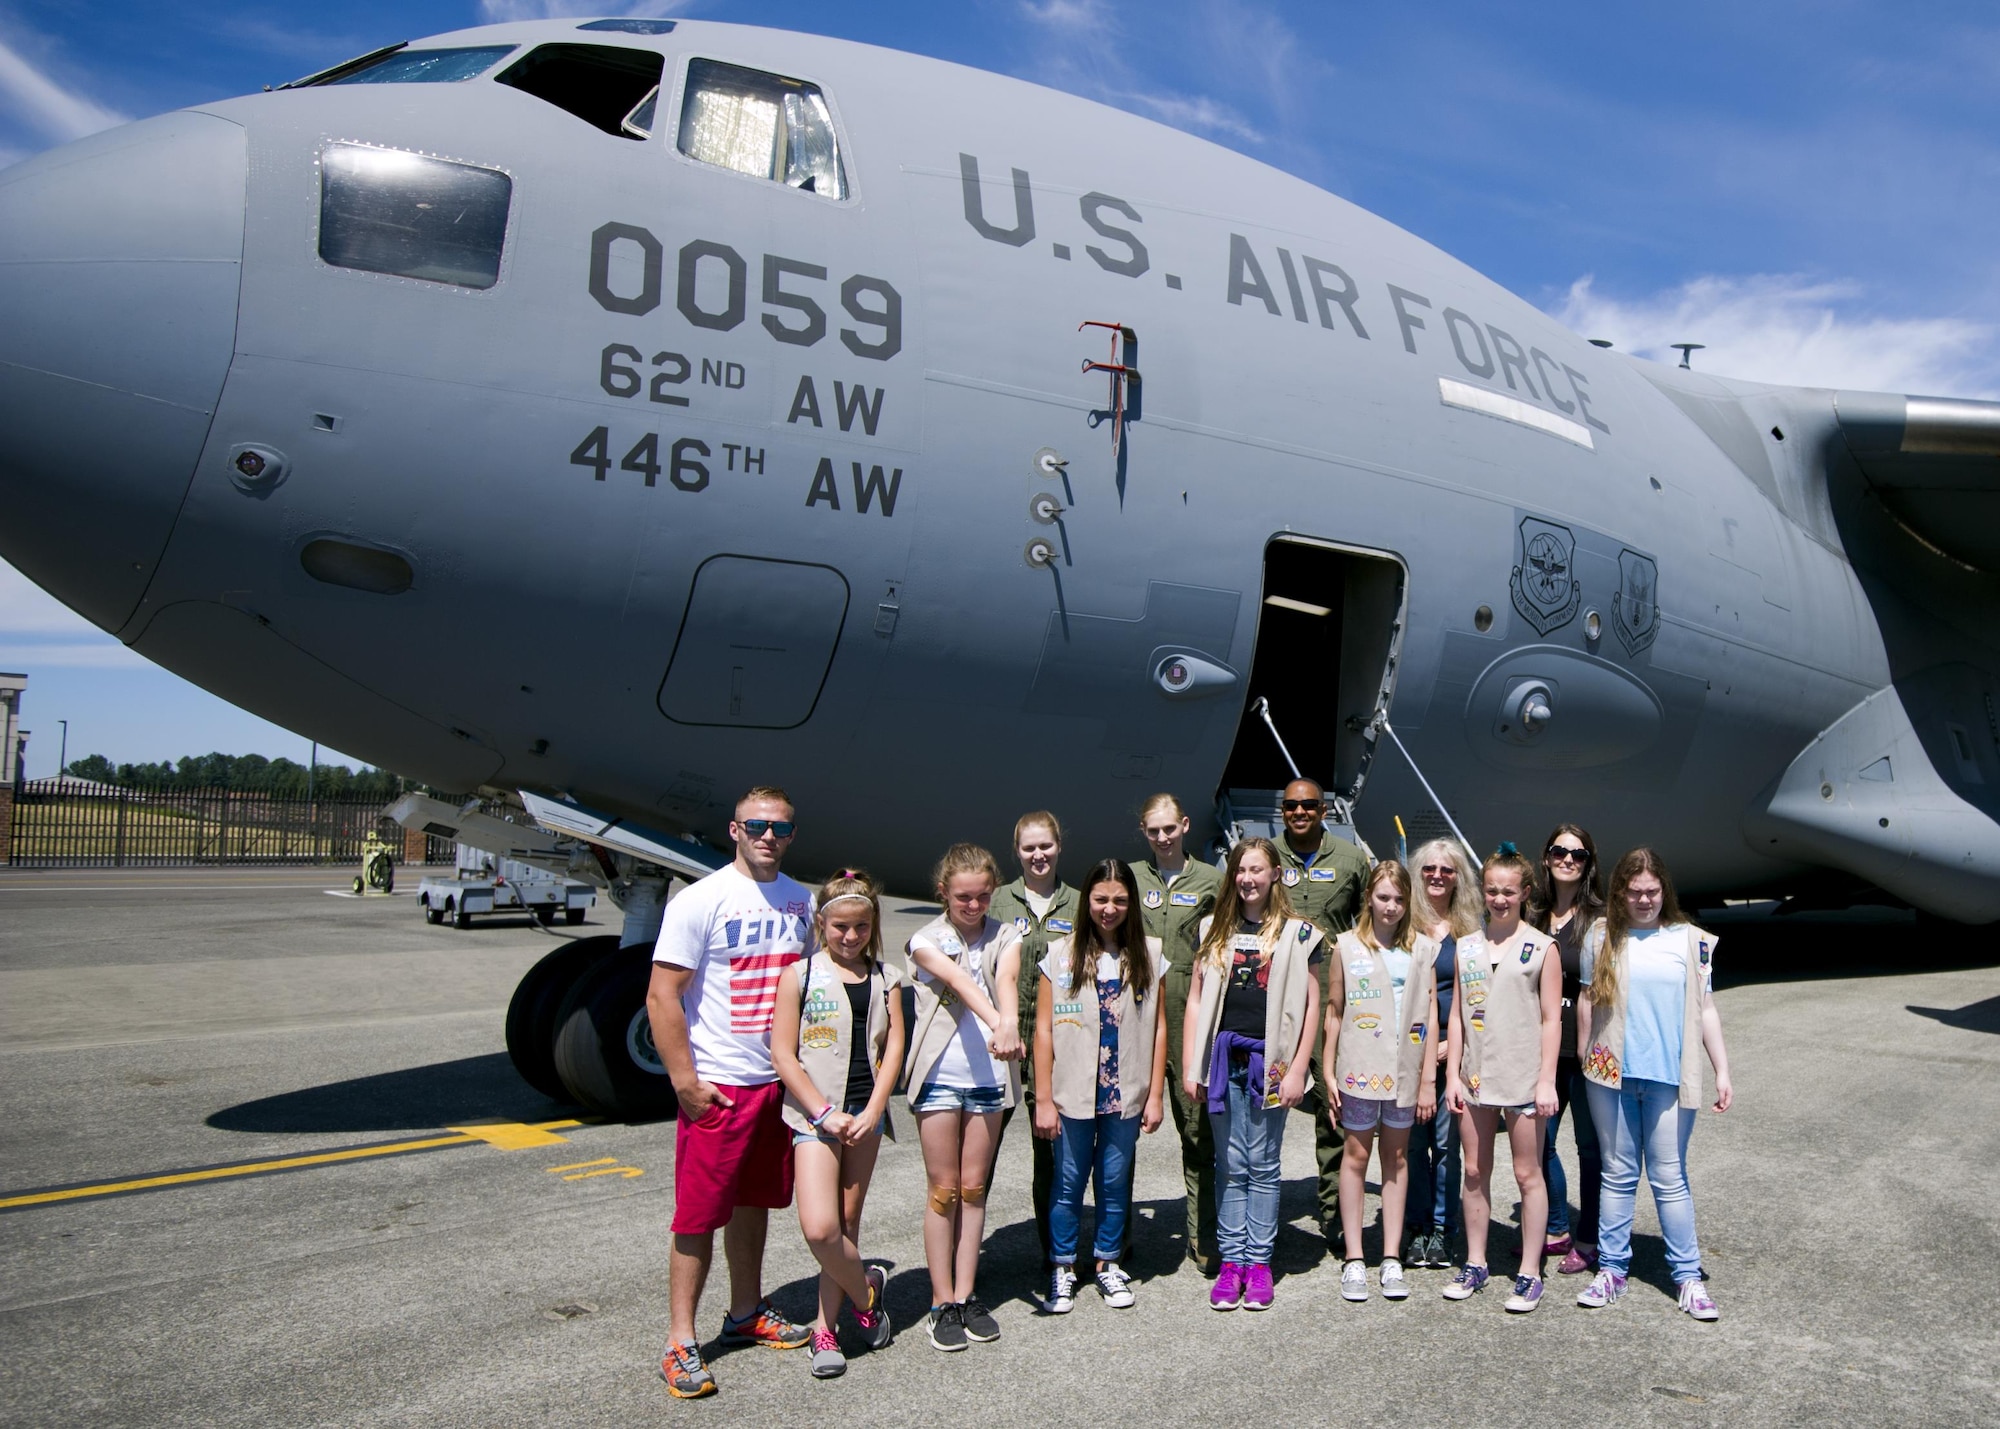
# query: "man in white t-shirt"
{"type": "Point", "coordinates": [724, 944]}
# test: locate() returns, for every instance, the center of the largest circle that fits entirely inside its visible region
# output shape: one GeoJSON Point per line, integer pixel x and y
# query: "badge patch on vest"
{"type": "Point", "coordinates": [1388, 1082]}
{"type": "Point", "coordinates": [1368, 1024]}
{"type": "Point", "coordinates": [950, 945]}
{"type": "Point", "coordinates": [1305, 932]}
{"type": "Point", "coordinates": [819, 1008]}
{"type": "Point", "coordinates": [1602, 1065]}
{"type": "Point", "coordinates": [1186, 900]}
{"type": "Point", "coordinates": [1291, 877]}
{"type": "Point", "coordinates": [1061, 925]}
{"type": "Point", "coordinates": [1154, 898]}
{"type": "Point", "coordinates": [1416, 1034]}
{"type": "Point", "coordinates": [1527, 952]}
{"type": "Point", "coordinates": [1472, 1082]}
{"type": "Point", "coordinates": [1069, 1009]}
{"type": "Point", "coordinates": [1704, 952]}
{"type": "Point", "coordinates": [1323, 875]}
{"type": "Point", "coordinates": [1274, 1077]}
{"type": "Point", "coordinates": [819, 1039]}
{"type": "Point", "coordinates": [1478, 1019]}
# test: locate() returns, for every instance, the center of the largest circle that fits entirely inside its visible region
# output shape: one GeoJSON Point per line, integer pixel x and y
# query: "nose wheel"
{"type": "Point", "coordinates": [578, 1031]}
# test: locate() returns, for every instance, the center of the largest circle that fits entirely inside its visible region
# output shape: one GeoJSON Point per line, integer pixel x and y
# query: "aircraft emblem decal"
{"type": "Point", "coordinates": [1636, 612]}
{"type": "Point", "coordinates": [1544, 583]}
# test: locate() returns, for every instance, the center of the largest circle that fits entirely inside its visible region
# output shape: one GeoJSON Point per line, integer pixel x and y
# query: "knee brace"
{"type": "Point", "coordinates": [943, 1198]}
{"type": "Point", "coordinates": [973, 1195]}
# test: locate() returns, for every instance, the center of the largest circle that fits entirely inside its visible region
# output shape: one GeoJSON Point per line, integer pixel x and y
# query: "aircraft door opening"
{"type": "Point", "coordinates": [1329, 629]}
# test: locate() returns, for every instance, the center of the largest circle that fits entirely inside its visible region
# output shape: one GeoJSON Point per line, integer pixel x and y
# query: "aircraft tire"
{"type": "Point", "coordinates": [460, 918]}
{"type": "Point", "coordinates": [602, 1035]}
{"type": "Point", "coordinates": [531, 1015]}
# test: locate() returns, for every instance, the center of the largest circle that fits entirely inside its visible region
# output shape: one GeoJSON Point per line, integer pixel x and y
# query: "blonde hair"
{"type": "Point", "coordinates": [1039, 816]}
{"type": "Point", "coordinates": [1158, 802]}
{"type": "Point", "coordinates": [1405, 936]}
{"type": "Point", "coordinates": [847, 884]}
{"type": "Point", "coordinates": [964, 858]}
{"type": "Point", "coordinates": [1463, 915]}
{"type": "Point", "coordinates": [767, 793]}
{"type": "Point", "coordinates": [1229, 906]}
{"type": "Point", "coordinates": [1605, 971]}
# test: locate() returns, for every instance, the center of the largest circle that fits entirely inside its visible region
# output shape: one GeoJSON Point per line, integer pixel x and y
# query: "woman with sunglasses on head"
{"type": "Point", "coordinates": [1444, 904]}
{"type": "Point", "coordinates": [1566, 900]}
{"type": "Point", "coordinates": [1646, 1016]}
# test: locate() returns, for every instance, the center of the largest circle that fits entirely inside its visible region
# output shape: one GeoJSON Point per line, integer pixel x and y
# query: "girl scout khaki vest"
{"type": "Point", "coordinates": [1284, 1005]}
{"type": "Point", "coordinates": [939, 1014]}
{"type": "Point", "coordinates": [826, 1031]}
{"type": "Point", "coordinates": [1502, 1013]}
{"type": "Point", "coordinates": [1604, 1062]}
{"type": "Point", "coordinates": [1380, 1054]}
{"type": "Point", "coordinates": [1074, 1036]}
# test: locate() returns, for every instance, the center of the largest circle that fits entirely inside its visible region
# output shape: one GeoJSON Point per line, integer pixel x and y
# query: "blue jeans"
{"type": "Point", "coordinates": [1249, 1140]}
{"type": "Point", "coordinates": [1570, 1096]}
{"type": "Point", "coordinates": [1099, 1149]}
{"type": "Point", "coordinates": [1435, 1179]}
{"type": "Point", "coordinates": [1644, 1122]}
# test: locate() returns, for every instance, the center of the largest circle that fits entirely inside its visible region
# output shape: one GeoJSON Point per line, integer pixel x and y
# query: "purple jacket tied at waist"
{"type": "Point", "coordinates": [1227, 1045]}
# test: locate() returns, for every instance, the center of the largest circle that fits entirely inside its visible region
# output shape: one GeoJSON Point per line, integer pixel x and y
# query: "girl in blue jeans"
{"type": "Point", "coordinates": [1253, 1011]}
{"type": "Point", "coordinates": [1444, 902]}
{"type": "Point", "coordinates": [1646, 1009]}
{"type": "Point", "coordinates": [1101, 1061]}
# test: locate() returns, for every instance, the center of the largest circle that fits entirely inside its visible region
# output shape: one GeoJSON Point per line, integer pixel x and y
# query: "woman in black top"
{"type": "Point", "coordinates": [1568, 897]}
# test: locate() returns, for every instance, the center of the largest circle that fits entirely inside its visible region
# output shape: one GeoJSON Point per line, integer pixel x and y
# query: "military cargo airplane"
{"type": "Point", "coordinates": [631, 411]}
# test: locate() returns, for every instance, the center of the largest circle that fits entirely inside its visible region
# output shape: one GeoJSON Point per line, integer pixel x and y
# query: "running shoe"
{"type": "Point", "coordinates": [947, 1329]}
{"type": "Point", "coordinates": [1227, 1292]}
{"type": "Point", "coordinates": [1470, 1280]}
{"type": "Point", "coordinates": [686, 1376]}
{"type": "Point", "coordinates": [827, 1360]}
{"type": "Point", "coordinates": [1257, 1287]}
{"type": "Point", "coordinates": [1061, 1298]}
{"type": "Point", "coordinates": [876, 1331]}
{"type": "Point", "coordinates": [1354, 1281]}
{"type": "Point", "coordinates": [1695, 1300]}
{"type": "Point", "coordinates": [764, 1326]}
{"type": "Point", "coordinates": [1580, 1258]}
{"type": "Point", "coordinates": [978, 1320]}
{"type": "Point", "coordinates": [1435, 1255]}
{"type": "Point", "coordinates": [1527, 1295]}
{"type": "Point", "coordinates": [1604, 1287]}
{"type": "Point", "coordinates": [1115, 1286]}
{"type": "Point", "coordinates": [1394, 1286]}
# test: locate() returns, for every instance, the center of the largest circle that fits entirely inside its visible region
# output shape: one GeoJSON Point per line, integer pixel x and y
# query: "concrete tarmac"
{"type": "Point", "coordinates": [380, 1268]}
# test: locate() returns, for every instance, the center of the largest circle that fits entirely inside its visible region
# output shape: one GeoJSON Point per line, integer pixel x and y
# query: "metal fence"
{"type": "Point", "coordinates": [76, 824]}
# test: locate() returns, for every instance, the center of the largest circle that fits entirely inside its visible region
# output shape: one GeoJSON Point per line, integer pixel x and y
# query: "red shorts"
{"type": "Point", "coordinates": [733, 1156]}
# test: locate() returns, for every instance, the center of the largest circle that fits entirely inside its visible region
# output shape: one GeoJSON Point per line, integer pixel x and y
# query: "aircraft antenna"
{"type": "Point", "coordinates": [1687, 350]}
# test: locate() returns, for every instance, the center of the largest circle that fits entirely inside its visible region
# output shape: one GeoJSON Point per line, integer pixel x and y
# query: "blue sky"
{"type": "Point", "coordinates": [1809, 189]}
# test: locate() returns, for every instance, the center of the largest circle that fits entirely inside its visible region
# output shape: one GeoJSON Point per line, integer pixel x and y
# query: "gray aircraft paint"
{"type": "Point", "coordinates": [859, 387]}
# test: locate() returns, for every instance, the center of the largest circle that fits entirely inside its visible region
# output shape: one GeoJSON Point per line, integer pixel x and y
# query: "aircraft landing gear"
{"type": "Point", "coordinates": [577, 1028]}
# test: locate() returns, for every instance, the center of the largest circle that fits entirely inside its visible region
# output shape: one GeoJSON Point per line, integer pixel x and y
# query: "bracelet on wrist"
{"type": "Point", "coordinates": [824, 1112]}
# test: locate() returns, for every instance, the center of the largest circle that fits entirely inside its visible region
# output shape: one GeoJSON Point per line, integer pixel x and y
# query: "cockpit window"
{"type": "Point", "coordinates": [600, 84]}
{"type": "Point", "coordinates": [391, 211]}
{"type": "Point", "coordinates": [631, 25]}
{"type": "Point", "coordinates": [423, 66]}
{"type": "Point", "coordinates": [761, 124]}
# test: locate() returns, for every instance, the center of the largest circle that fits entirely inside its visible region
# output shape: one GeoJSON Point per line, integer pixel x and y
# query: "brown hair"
{"type": "Point", "coordinates": [1589, 898]}
{"type": "Point", "coordinates": [1390, 870]}
{"type": "Point", "coordinates": [1134, 966]}
{"type": "Point", "coordinates": [964, 858]}
{"type": "Point", "coordinates": [1513, 861]}
{"type": "Point", "coordinates": [1605, 971]}
{"type": "Point", "coordinates": [851, 883]}
{"type": "Point", "coordinates": [1463, 914]}
{"type": "Point", "coordinates": [1039, 816]}
{"type": "Point", "coordinates": [1229, 905]}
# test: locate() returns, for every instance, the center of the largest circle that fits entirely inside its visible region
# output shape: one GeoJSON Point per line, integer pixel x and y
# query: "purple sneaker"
{"type": "Point", "coordinates": [1227, 1292]}
{"type": "Point", "coordinates": [1527, 1294]}
{"type": "Point", "coordinates": [1695, 1300]}
{"type": "Point", "coordinates": [1470, 1280]}
{"type": "Point", "coordinates": [1257, 1292]}
{"type": "Point", "coordinates": [1605, 1287]}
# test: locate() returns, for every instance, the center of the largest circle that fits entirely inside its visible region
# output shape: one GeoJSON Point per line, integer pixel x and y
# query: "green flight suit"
{"type": "Point", "coordinates": [1173, 914]}
{"type": "Point", "coordinates": [1010, 905]}
{"type": "Point", "coordinates": [1326, 889]}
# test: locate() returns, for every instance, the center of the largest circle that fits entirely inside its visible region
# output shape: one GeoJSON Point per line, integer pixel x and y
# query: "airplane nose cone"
{"type": "Point", "coordinates": [119, 263]}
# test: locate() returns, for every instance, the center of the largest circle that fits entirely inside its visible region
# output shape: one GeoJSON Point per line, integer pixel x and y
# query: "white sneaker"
{"type": "Point", "coordinates": [1354, 1281]}
{"type": "Point", "coordinates": [1061, 1298]}
{"type": "Point", "coordinates": [1394, 1286]}
{"type": "Point", "coordinates": [1115, 1286]}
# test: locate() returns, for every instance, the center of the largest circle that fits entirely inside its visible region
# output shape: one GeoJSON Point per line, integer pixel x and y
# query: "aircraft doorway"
{"type": "Point", "coordinates": [1328, 632]}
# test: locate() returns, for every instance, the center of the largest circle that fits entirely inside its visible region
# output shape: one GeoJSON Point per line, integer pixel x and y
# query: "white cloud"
{"type": "Point", "coordinates": [27, 609]}
{"type": "Point", "coordinates": [51, 109]}
{"type": "Point", "coordinates": [1786, 329]}
{"type": "Point", "coordinates": [1070, 16]}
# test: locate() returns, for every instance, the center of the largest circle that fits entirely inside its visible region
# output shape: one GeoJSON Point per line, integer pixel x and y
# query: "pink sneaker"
{"type": "Point", "coordinates": [1579, 1259]}
{"type": "Point", "coordinates": [1227, 1292]}
{"type": "Point", "coordinates": [1257, 1292]}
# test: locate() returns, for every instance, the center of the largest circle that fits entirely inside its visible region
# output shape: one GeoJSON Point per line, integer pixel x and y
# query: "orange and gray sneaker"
{"type": "Point", "coordinates": [686, 1376]}
{"type": "Point", "coordinates": [764, 1326]}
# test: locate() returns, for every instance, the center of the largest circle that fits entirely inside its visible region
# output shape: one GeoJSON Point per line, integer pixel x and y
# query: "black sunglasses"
{"type": "Point", "coordinates": [1291, 804]}
{"type": "Point", "coordinates": [1558, 852]}
{"type": "Point", "coordinates": [756, 827]}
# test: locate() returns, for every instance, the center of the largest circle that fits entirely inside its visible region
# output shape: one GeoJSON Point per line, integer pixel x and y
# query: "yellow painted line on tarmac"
{"type": "Point", "coordinates": [505, 1136]}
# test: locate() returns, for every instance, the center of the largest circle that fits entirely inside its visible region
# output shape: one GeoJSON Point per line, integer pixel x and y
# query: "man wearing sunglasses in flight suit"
{"type": "Point", "coordinates": [1322, 874]}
